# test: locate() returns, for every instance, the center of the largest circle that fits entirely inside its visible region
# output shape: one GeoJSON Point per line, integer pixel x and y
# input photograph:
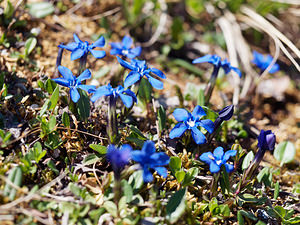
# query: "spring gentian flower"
{"type": "Point", "coordinates": [218, 63]}
{"type": "Point", "coordinates": [217, 159]}
{"type": "Point", "coordinates": [263, 62]}
{"type": "Point", "coordinates": [191, 121]}
{"type": "Point", "coordinates": [140, 69]}
{"type": "Point", "coordinates": [127, 96]}
{"type": "Point", "coordinates": [80, 48]}
{"type": "Point", "coordinates": [118, 157]}
{"type": "Point", "coordinates": [124, 49]}
{"type": "Point", "coordinates": [151, 160]}
{"type": "Point", "coordinates": [70, 81]}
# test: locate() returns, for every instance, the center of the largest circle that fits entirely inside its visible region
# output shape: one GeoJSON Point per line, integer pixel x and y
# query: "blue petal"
{"type": "Point", "coordinates": [274, 68]}
{"type": "Point", "coordinates": [61, 81]}
{"type": "Point", "coordinates": [207, 124]}
{"type": "Point", "coordinates": [198, 112]}
{"type": "Point", "coordinates": [101, 91]}
{"type": "Point", "coordinates": [98, 54]}
{"type": "Point", "coordinates": [158, 73]}
{"type": "Point", "coordinates": [178, 130]}
{"type": "Point", "coordinates": [134, 52]}
{"type": "Point", "coordinates": [66, 73]}
{"type": "Point", "coordinates": [77, 40]}
{"type": "Point", "coordinates": [99, 43]}
{"type": "Point", "coordinates": [147, 175]}
{"type": "Point", "coordinates": [87, 88]}
{"type": "Point", "coordinates": [237, 71]}
{"type": "Point", "coordinates": [159, 159]}
{"type": "Point", "coordinates": [206, 58]}
{"type": "Point", "coordinates": [77, 53]}
{"type": "Point", "coordinates": [75, 96]}
{"type": "Point", "coordinates": [197, 135]}
{"type": "Point", "coordinates": [207, 157]}
{"type": "Point", "coordinates": [132, 94]}
{"type": "Point", "coordinates": [125, 64]}
{"type": "Point", "coordinates": [86, 74]}
{"type": "Point", "coordinates": [218, 153]}
{"type": "Point", "coordinates": [127, 42]}
{"type": "Point", "coordinates": [229, 168]}
{"type": "Point", "coordinates": [131, 79]}
{"type": "Point", "coordinates": [148, 148]}
{"type": "Point", "coordinates": [213, 167]}
{"type": "Point", "coordinates": [126, 99]}
{"type": "Point", "coordinates": [181, 114]}
{"type": "Point", "coordinates": [137, 156]}
{"type": "Point", "coordinates": [228, 154]}
{"type": "Point", "coordinates": [162, 171]}
{"type": "Point", "coordinates": [157, 84]}
{"type": "Point", "coordinates": [69, 47]}
{"type": "Point", "coordinates": [115, 51]}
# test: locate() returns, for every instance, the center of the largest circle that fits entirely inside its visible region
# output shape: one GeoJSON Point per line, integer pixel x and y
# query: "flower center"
{"type": "Point", "coordinates": [191, 123]}
{"type": "Point", "coordinates": [219, 162]}
{"type": "Point", "coordinates": [125, 52]}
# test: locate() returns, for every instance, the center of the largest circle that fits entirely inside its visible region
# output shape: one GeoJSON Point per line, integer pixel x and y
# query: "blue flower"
{"type": "Point", "coordinates": [151, 160]}
{"type": "Point", "coordinates": [124, 48]}
{"type": "Point", "coordinates": [191, 121]}
{"type": "Point", "coordinates": [263, 62]}
{"type": "Point", "coordinates": [127, 96]}
{"type": "Point", "coordinates": [80, 48]}
{"type": "Point", "coordinates": [217, 62]}
{"type": "Point", "coordinates": [226, 113]}
{"type": "Point", "coordinates": [266, 140]}
{"type": "Point", "coordinates": [70, 81]}
{"type": "Point", "coordinates": [218, 159]}
{"type": "Point", "coordinates": [139, 69]}
{"type": "Point", "coordinates": [118, 157]}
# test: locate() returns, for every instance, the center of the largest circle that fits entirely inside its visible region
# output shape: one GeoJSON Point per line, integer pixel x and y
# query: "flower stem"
{"type": "Point", "coordinates": [82, 64]}
{"type": "Point", "coordinates": [214, 184]}
{"type": "Point", "coordinates": [112, 126]}
{"type": "Point", "coordinates": [211, 84]}
{"type": "Point", "coordinates": [58, 61]}
{"type": "Point", "coordinates": [117, 188]}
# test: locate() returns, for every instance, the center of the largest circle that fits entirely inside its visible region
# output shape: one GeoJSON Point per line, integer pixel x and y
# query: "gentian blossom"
{"type": "Point", "coordinates": [124, 49]}
{"type": "Point", "coordinates": [140, 69]}
{"type": "Point", "coordinates": [151, 160]}
{"type": "Point", "coordinates": [70, 81]}
{"type": "Point", "coordinates": [127, 96]}
{"type": "Point", "coordinates": [218, 63]}
{"type": "Point", "coordinates": [191, 121]}
{"type": "Point", "coordinates": [80, 48]}
{"type": "Point", "coordinates": [118, 157]}
{"type": "Point", "coordinates": [217, 159]}
{"type": "Point", "coordinates": [263, 62]}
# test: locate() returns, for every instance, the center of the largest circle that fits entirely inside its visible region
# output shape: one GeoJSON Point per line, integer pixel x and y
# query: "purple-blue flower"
{"type": "Point", "coordinates": [217, 159]}
{"type": "Point", "coordinates": [263, 62]}
{"type": "Point", "coordinates": [151, 160]}
{"type": "Point", "coordinates": [217, 62]}
{"type": "Point", "coordinates": [226, 113]}
{"type": "Point", "coordinates": [139, 69]}
{"type": "Point", "coordinates": [266, 140]}
{"type": "Point", "coordinates": [124, 49]}
{"type": "Point", "coordinates": [70, 81]}
{"type": "Point", "coordinates": [118, 157]}
{"type": "Point", "coordinates": [127, 96]}
{"type": "Point", "coordinates": [191, 121]}
{"type": "Point", "coordinates": [80, 48]}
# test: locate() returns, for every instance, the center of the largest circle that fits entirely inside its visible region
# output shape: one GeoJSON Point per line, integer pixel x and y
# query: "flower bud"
{"type": "Point", "coordinates": [226, 113]}
{"type": "Point", "coordinates": [266, 140]}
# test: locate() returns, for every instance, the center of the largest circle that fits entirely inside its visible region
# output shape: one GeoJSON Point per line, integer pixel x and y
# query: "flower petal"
{"type": "Point", "coordinates": [181, 114]}
{"type": "Point", "coordinates": [148, 148]}
{"type": "Point", "coordinates": [157, 84]}
{"type": "Point", "coordinates": [125, 64]}
{"type": "Point", "coordinates": [162, 171]}
{"type": "Point", "coordinates": [70, 47]}
{"type": "Point", "coordinates": [116, 45]}
{"type": "Point", "coordinates": [126, 99]}
{"type": "Point", "coordinates": [197, 135]}
{"type": "Point", "coordinates": [132, 94]}
{"type": "Point", "coordinates": [147, 175]}
{"type": "Point", "coordinates": [75, 96]}
{"type": "Point", "coordinates": [158, 73]}
{"type": "Point", "coordinates": [137, 155]}
{"type": "Point", "coordinates": [115, 51]}
{"type": "Point", "coordinates": [134, 52]}
{"type": "Point", "coordinates": [159, 159]}
{"type": "Point", "coordinates": [87, 88]}
{"type": "Point", "coordinates": [206, 157]}
{"type": "Point", "coordinates": [237, 71]}
{"type": "Point", "coordinates": [66, 73]}
{"type": "Point", "coordinates": [206, 58]}
{"type": "Point", "coordinates": [213, 167]}
{"type": "Point", "coordinates": [218, 153]}
{"type": "Point", "coordinates": [198, 112]}
{"type": "Point", "coordinates": [61, 81]}
{"type": "Point", "coordinates": [86, 74]}
{"type": "Point", "coordinates": [77, 53]}
{"type": "Point", "coordinates": [76, 38]}
{"type": "Point", "coordinates": [99, 43]}
{"type": "Point", "coordinates": [101, 91]}
{"type": "Point", "coordinates": [228, 154]}
{"type": "Point", "coordinates": [229, 167]}
{"type": "Point", "coordinates": [207, 124]}
{"type": "Point", "coordinates": [126, 42]}
{"type": "Point", "coordinates": [131, 79]}
{"type": "Point", "coordinates": [98, 53]}
{"type": "Point", "coordinates": [178, 130]}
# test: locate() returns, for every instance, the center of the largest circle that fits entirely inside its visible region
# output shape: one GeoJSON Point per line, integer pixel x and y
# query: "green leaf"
{"type": "Point", "coordinates": [51, 123]}
{"type": "Point", "coordinates": [83, 105]}
{"type": "Point", "coordinates": [66, 119]}
{"type": "Point", "coordinates": [201, 97]}
{"type": "Point", "coordinates": [240, 218]}
{"type": "Point", "coordinates": [136, 180]}
{"type": "Point", "coordinates": [188, 66]}
{"type": "Point", "coordinates": [99, 148]}
{"type": "Point", "coordinates": [249, 215]}
{"type": "Point", "coordinates": [225, 210]}
{"type": "Point", "coordinates": [176, 206]}
{"type": "Point", "coordinates": [128, 191]}
{"type": "Point", "coordinates": [247, 160]}
{"type": "Point", "coordinates": [285, 152]}
{"type": "Point", "coordinates": [210, 114]}
{"type": "Point", "coordinates": [179, 175]}
{"type": "Point", "coordinates": [41, 9]}
{"type": "Point", "coordinates": [52, 166]}
{"type": "Point", "coordinates": [111, 208]}
{"type": "Point", "coordinates": [9, 10]}
{"type": "Point", "coordinates": [15, 176]}
{"type": "Point", "coordinates": [38, 152]}
{"type": "Point", "coordinates": [161, 118]}
{"type": "Point", "coordinates": [30, 45]}
{"type": "Point", "coordinates": [213, 206]}
{"type": "Point", "coordinates": [175, 164]}
{"type": "Point", "coordinates": [45, 107]}
{"type": "Point", "coordinates": [54, 98]}
{"type": "Point", "coordinates": [280, 211]}
{"type": "Point", "coordinates": [265, 176]}
{"type": "Point", "coordinates": [276, 191]}
{"type": "Point", "coordinates": [190, 176]}
{"type": "Point", "coordinates": [90, 159]}
{"type": "Point", "coordinates": [50, 85]}
{"type": "Point", "coordinates": [145, 90]}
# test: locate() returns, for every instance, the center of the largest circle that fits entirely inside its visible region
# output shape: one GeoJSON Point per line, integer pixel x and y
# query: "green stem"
{"type": "Point", "coordinates": [112, 125]}
{"type": "Point", "coordinates": [214, 184]}
{"type": "Point", "coordinates": [211, 84]}
{"type": "Point", "coordinates": [82, 64]}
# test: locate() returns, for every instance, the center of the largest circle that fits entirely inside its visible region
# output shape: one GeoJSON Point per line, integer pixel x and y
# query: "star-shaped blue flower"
{"type": "Point", "coordinates": [118, 157]}
{"type": "Point", "coordinates": [124, 49]}
{"type": "Point", "coordinates": [218, 159]}
{"type": "Point", "coordinates": [217, 62]}
{"type": "Point", "coordinates": [151, 160]}
{"type": "Point", "coordinates": [191, 121]}
{"type": "Point", "coordinates": [70, 81]}
{"type": "Point", "coordinates": [139, 69]}
{"type": "Point", "coordinates": [127, 96]}
{"type": "Point", "coordinates": [80, 48]}
{"type": "Point", "coordinates": [263, 62]}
